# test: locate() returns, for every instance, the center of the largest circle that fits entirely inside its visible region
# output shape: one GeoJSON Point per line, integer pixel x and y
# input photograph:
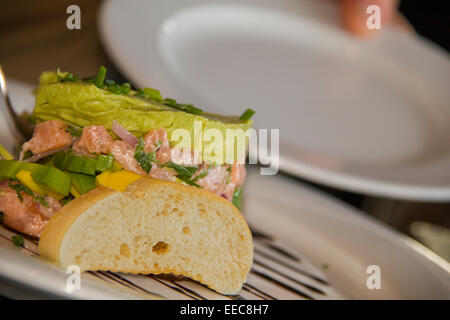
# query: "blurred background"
{"type": "Point", "coordinates": [34, 37]}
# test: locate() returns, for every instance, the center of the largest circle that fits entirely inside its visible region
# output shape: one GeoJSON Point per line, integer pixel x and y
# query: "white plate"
{"type": "Point", "coordinates": [367, 116]}
{"type": "Point", "coordinates": [311, 230]}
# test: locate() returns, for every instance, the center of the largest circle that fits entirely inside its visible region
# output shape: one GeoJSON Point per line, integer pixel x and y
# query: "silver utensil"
{"type": "Point", "coordinates": [21, 128]}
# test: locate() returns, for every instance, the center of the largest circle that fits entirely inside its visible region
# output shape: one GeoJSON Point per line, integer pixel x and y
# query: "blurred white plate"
{"type": "Point", "coordinates": [367, 116]}
{"type": "Point", "coordinates": [304, 230]}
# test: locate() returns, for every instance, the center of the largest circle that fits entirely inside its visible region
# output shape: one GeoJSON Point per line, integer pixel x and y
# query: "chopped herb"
{"type": "Point", "coordinates": [153, 94]}
{"type": "Point", "coordinates": [203, 174]}
{"type": "Point", "coordinates": [247, 115]}
{"type": "Point", "coordinates": [101, 74]}
{"type": "Point", "coordinates": [17, 241]}
{"type": "Point", "coordinates": [66, 200]}
{"type": "Point", "coordinates": [125, 87]}
{"type": "Point", "coordinates": [158, 144]}
{"type": "Point", "coordinates": [74, 131]}
{"type": "Point", "coordinates": [90, 79]}
{"type": "Point", "coordinates": [185, 173]}
{"type": "Point", "coordinates": [114, 88]}
{"type": "Point", "coordinates": [21, 188]}
{"type": "Point", "coordinates": [144, 159]}
{"type": "Point", "coordinates": [229, 169]}
{"type": "Point", "coordinates": [140, 93]}
{"type": "Point", "coordinates": [189, 108]}
{"type": "Point", "coordinates": [68, 78]}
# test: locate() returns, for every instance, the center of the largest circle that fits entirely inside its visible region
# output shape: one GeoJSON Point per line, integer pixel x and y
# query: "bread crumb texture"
{"type": "Point", "coordinates": [155, 227]}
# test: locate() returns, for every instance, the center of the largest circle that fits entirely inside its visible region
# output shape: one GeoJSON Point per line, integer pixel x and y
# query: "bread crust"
{"type": "Point", "coordinates": [51, 237]}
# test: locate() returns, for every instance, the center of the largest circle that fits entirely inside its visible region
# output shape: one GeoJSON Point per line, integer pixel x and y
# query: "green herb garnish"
{"type": "Point", "coordinates": [203, 174]}
{"type": "Point", "coordinates": [189, 108]}
{"type": "Point", "coordinates": [66, 200]}
{"type": "Point", "coordinates": [17, 241]}
{"type": "Point", "coordinates": [247, 115]}
{"type": "Point", "coordinates": [125, 87]}
{"type": "Point", "coordinates": [21, 188]}
{"type": "Point", "coordinates": [101, 74]}
{"type": "Point", "coordinates": [185, 173]}
{"type": "Point", "coordinates": [114, 88]}
{"type": "Point", "coordinates": [237, 198]}
{"type": "Point", "coordinates": [74, 131]}
{"type": "Point", "coordinates": [140, 93]}
{"type": "Point", "coordinates": [144, 159]}
{"type": "Point", "coordinates": [153, 94]}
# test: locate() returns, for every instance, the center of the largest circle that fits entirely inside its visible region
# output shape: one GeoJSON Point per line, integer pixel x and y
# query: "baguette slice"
{"type": "Point", "coordinates": [153, 227]}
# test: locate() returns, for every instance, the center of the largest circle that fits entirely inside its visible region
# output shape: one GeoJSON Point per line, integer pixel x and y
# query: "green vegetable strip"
{"type": "Point", "coordinates": [247, 115]}
{"type": "Point", "coordinates": [82, 183]}
{"type": "Point", "coordinates": [51, 177]}
{"type": "Point", "coordinates": [84, 165]}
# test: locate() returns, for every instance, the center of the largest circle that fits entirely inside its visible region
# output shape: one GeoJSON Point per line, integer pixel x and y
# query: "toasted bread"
{"type": "Point", "coordinates": [154, 227]}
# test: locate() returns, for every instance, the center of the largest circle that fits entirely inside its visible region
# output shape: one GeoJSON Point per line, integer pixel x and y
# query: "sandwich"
{"type": "Point", "coordinates": [124, 180]}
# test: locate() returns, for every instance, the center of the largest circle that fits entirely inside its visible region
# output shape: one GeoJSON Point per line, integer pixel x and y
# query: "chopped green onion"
{"type": "Point", "coordinates": [100, 77]}
{"type": "Point", "coordinates": [247, 115]}
{"type": "Point", "coordinates": [203, 174]}
{"type": "Point", "coordinates": [114, 88]}
{"type": "Point", "coordinates": [140, 93]}
{"type": "Point", "coordinates": [90, 79]}
{"type": "Point", "coordinates": [153, 94]}
{"type": "Point", "coordinates": [17, 241]}
{"type": "Point", "coordinates": [189, 108]}
{"type": "Point", "coordinates": [125, 87]}
{"type": "Point", "coordinates": [237, 198]}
